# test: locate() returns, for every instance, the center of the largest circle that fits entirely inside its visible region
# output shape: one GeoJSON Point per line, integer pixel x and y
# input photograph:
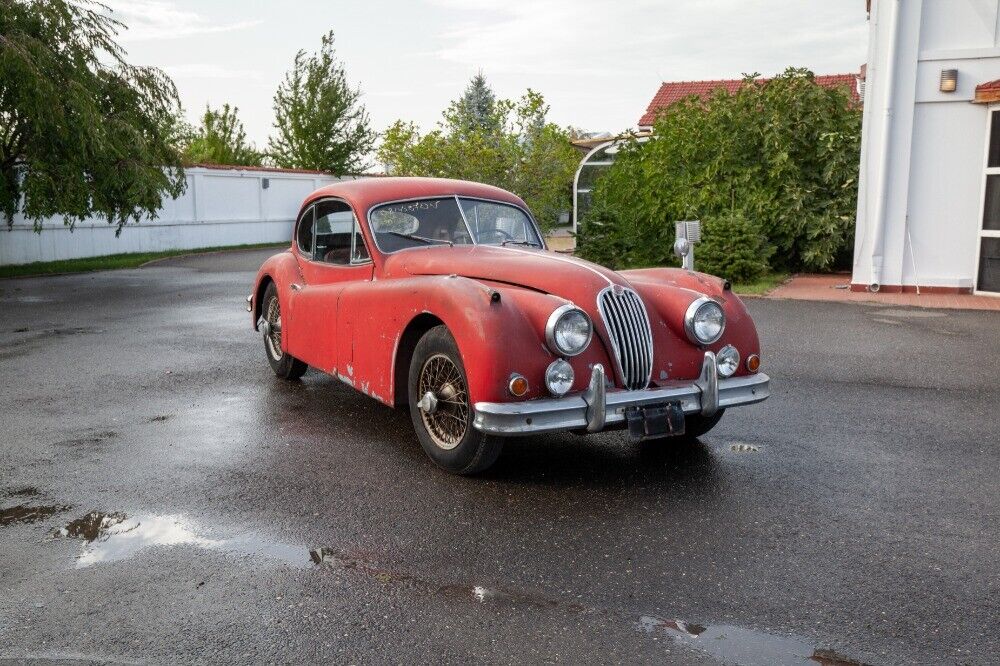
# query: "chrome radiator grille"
{"type": "Point", "coordinates": [628, 324]}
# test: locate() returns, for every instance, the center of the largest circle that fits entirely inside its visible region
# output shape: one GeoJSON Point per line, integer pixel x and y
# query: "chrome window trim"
{"type": "Point", "coordinates": [550, 330]}
{"type": "Point", "coordinates": [527, 213]}
{"type": "Point", "coordinates": [689, 320]}
{"type": "Point", "coordinates": [357, 222]}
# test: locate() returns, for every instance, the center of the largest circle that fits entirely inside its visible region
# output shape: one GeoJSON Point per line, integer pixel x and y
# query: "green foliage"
{"type": "Point", "coordinates": [320, 121]}
{"type": "Point", "coordinates": [775, 163]}
{"type": "Point", "coordinates": [82, 132]}
{"type": "Point", "coordinates": [475, 109]}
{"type": "Point", "coordinates": [220, 139]}
{"type": "Point", "coordinates": [500, 142]}
{"type": "Point", "coordinates": [732, 247]}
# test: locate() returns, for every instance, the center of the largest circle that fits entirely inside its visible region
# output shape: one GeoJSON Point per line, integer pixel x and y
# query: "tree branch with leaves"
{"type": "Point", "coordinates": [82, 132]}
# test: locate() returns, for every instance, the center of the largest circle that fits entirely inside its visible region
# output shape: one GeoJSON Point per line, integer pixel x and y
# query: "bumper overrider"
{"type": "Point", "coordinates": [596, 408]}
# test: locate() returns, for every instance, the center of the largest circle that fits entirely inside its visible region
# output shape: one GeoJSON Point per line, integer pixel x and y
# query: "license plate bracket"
{"type": "Point", "coordinates": [664, 419]}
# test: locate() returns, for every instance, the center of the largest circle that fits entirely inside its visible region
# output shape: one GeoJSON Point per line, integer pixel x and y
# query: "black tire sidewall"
{"type": "Point", "coordinates": [476, 451]}
{"type": "Point", "coordinates": [287, 367]}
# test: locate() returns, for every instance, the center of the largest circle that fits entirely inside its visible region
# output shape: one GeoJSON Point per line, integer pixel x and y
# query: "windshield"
{"type": "Point", "coordinates": [450, 221]}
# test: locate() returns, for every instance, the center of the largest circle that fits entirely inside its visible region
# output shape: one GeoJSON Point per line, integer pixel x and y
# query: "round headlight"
{"type": "Point", "coordinates": [727, 361]}
{"type": "Point", "coordinates": [704, 321]}
{"type": "Point", "coordinates": [559, 377]}
{"type": "Point", "coordinates": [568, 330]}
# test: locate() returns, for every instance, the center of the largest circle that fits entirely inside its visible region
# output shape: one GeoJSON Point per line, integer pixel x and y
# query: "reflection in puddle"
{"type": "Point", "coordinates": [115, 536]}
{"type": "Point", "coordinates": [746, 647]}
{"type": "Point", "coordinates": [23, 513]}
{"type": "Point", "coordinates": [363, 566]}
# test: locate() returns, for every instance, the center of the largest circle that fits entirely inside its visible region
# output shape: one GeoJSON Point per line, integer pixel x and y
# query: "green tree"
{"type": "Point", "coordinates": [82, 132]}
{"type": "Point", "coordinates": [513, 146]}
{"type": "Point", "coordinates": [220, 139]}
{"type": "Point", "coordinates": [320, 121]}
{"type": "Point", "coordinates": [475, 110]}
{"type": "Point", "coordinates": [774, 164]}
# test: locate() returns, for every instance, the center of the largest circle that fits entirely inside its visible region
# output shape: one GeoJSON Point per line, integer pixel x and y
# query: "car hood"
{"type": "Point", "coordinates": [568, 277]}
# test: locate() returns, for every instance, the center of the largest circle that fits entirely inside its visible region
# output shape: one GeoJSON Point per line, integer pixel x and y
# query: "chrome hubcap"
{"type": "Point", "coordinates": [444, 402]}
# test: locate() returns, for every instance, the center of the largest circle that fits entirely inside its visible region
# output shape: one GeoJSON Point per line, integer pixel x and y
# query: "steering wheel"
{"type": "Point", "coordinates": [500, 233]}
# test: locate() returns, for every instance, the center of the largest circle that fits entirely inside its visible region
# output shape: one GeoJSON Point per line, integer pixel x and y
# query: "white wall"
{"type": "Point", "coordinates": [925, 189]}
{"type": "Point", "coordinates": [220, 207]}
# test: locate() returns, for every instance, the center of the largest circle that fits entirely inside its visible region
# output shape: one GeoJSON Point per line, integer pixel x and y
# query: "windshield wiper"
{"type": "Point", "coordinates": [422, 239]}
{"type": "Point", "coordinates": [520, 242]}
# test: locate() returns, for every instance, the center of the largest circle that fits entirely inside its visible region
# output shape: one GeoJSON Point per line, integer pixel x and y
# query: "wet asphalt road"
{"type": "Point", "coordinates": [164, 498]}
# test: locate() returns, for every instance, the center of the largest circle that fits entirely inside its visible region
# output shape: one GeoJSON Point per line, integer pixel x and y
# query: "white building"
{"type": "Point", "coordinates": [929, 195]}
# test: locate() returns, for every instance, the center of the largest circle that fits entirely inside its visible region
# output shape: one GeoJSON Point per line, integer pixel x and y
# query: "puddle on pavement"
{"type": "Point", "coordinates": [27, 491]}
{"type": "Point", "coordinates": [89, 440]}
{"type": "Point", "coordinates": [364, 566]}
{"type": "Point", "coordinates": [746, 647]}
{"type": "Point", "coordinates": [109, 537]}
{"type": "Point", "coordinates": [24, 513]}
{"type": "Point", "coordinates": [740, 447]}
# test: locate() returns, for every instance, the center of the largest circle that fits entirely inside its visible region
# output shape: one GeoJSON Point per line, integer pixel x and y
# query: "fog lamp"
{"type": "Point", "coordinates": [518, 385]}
{"type": "Point", "coordinates": [727, 361]}
{"type": "Point", "coordinates": [559, 377]}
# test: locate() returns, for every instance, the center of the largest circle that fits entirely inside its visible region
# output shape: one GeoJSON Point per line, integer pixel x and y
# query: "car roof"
{"type": "Point", "coordinates": [363, 193]}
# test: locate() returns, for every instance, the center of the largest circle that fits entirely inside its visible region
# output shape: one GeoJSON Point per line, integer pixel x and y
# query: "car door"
{"type": "Point", "coordinates": [331, 253]}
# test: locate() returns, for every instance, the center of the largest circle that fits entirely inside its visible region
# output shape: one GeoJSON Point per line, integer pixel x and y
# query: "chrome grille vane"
{"type": "Point", "coordinates": [628, 324]}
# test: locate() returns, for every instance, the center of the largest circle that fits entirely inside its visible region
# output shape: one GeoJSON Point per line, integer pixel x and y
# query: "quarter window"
{"type": "Point", "coordinates": [305, 232]}
{"type": "Point", "coordinates": [338, 235]}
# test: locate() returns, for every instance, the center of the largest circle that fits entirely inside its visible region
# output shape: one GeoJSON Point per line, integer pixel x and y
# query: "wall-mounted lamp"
{"type": "Point", "coordinates": [265, 183]}
{"type": "Point", "coordinates": [949, 80]}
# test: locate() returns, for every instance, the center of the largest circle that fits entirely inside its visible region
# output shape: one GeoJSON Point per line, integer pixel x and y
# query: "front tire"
{"type": "Point", "coordinates": [284, 364]}
{"type": "Point", "coordinates": [696, 425]}
{"type": "Point", "coordinates": [441, 410]}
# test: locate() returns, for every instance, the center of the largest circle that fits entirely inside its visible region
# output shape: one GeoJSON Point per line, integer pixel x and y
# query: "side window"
{"type": "Point", "coordinates": [304, 235]}
{"type": "Point", "coordinates": [359, 253]}
{"type": "Point", "coordinates": [338, 235]}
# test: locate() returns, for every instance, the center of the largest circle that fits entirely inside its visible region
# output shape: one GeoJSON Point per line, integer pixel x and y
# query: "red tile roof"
{"type": "Point", "coordinates": [672, 92]}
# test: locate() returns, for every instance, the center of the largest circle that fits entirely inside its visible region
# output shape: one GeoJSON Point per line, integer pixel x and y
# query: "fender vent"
{"type": "Point", "coordinates": [628, 325]}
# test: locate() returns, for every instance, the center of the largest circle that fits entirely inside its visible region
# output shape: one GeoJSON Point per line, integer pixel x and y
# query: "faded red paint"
{"type": "Point", "coordinates": [348, 321]}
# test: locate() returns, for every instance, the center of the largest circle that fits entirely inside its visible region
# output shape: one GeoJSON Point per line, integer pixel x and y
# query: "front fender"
{"type": "Point", "coordinates": [495, 336]}
{"type": "Point", "coordinates": [670, 291]}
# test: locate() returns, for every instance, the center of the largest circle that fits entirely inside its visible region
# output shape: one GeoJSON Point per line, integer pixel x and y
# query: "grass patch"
{"type": "Point", "coordinates": [112, 261]}
{"type": "Point", "coordinates": [760, 286]}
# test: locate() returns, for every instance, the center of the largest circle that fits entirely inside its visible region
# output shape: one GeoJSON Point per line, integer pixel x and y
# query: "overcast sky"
{"type": "Point", "coordinates": [598, 62]}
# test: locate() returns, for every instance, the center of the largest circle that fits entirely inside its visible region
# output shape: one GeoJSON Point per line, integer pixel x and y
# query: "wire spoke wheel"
{"type": "Point", "coordinates": [273, 338]}
{"type": "Point", "coordinates": [448, 421]}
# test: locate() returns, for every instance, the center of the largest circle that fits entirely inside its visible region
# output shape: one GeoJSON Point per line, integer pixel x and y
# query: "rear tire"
{"type": "Point", "coordinates": [440, 408]}
{"type": "Point", "coordinates": [284, 364]}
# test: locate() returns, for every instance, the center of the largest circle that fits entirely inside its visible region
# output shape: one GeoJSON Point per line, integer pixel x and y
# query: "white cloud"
{"type": "Point", "coordinates": [158, 19]}
{"type": "Point", "coordinates": [206, 70]}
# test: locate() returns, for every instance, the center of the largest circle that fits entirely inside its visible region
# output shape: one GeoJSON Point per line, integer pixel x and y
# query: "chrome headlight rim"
{"type": "Point", "coordinates": [692, 311]}
{"type": "Point", "coordinates": [553, 321]}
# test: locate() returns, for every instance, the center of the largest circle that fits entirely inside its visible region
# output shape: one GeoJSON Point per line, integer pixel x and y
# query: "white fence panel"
{"type": "Point", "coordinates": [221, 206]}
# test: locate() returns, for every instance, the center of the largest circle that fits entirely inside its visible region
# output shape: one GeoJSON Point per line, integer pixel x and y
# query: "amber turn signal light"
{"type": "Point", "coordinates": [518, 385]}
{"type": "Point", "coordinates": [753, 363]}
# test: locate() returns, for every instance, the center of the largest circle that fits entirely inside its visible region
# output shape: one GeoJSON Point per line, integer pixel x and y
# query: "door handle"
{"type": "Point", "coordinates": [296, 286]}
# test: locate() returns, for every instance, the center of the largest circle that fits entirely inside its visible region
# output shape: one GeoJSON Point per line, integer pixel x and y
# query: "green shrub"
{"type": "Point", "coordinates": [777, 162]}
{"type": "Point", "coordinates": [732, 247]}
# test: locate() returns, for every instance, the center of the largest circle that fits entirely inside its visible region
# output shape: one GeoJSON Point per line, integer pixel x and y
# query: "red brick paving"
{"type": "Point", "coordinates": [837, 288]}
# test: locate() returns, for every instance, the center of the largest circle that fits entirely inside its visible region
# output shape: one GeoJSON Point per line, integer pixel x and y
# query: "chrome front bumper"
{"type": "Point", "coordinates": [596, 408]}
